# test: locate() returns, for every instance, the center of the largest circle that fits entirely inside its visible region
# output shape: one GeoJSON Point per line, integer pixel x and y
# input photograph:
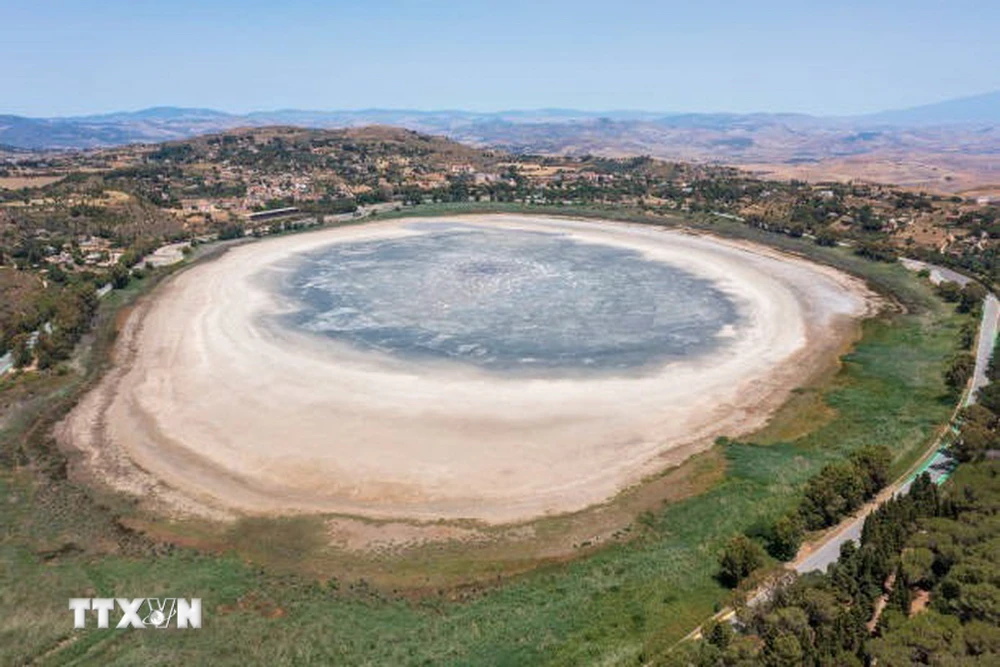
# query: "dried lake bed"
{"type": "Point", "coordinates": [496, 368]}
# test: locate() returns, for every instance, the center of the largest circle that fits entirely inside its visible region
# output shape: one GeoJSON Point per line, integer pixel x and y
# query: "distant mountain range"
{"type": "Point", "coordinates": [977, 109]}
{"type": "Point", "coordinates": [167, 123]}
{"type": "Point", "coordinates": [951, 146]}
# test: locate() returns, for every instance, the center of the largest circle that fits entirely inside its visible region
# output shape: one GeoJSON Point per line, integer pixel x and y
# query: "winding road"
{"type": "Point", "coordinates": [937, 463]}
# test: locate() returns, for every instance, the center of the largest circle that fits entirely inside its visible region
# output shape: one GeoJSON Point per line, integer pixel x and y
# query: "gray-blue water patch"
{"type": "Point", "coordinates": [506, 300]}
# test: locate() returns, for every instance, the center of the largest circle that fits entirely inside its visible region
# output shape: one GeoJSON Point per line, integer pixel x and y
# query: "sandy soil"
{"type": "Point", "coordinates": [18, 182]}
{"type": "Point", "coordinates": [393, 536]}
{"type": "Point", "coordinates": [209, 411]}
{"type": "Point", "coordinates": [944, 173]}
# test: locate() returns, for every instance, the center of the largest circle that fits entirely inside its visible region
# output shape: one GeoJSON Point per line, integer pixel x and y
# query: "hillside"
{"type": "Point", "coordinates": [946, 147]}
{"type": "Point", "coordinates": [64, 242]}
{"type": "Point", "coordinates": [136, 194]}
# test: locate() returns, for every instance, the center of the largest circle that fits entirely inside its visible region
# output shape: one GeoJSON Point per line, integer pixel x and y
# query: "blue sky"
{"type": "Point", "coordinates": [62, 57]}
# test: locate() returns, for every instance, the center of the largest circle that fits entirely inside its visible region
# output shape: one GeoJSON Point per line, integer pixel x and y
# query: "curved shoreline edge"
{"type": "Point", "coordinates": [117, 426]}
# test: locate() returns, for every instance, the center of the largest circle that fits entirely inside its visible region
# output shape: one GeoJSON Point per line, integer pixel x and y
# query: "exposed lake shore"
{"type": "Point", "coordinates": [210, 411]}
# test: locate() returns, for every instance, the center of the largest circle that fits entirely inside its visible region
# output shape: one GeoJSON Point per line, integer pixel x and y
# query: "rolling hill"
{"type": "Point", "coordinates": [948, 146]}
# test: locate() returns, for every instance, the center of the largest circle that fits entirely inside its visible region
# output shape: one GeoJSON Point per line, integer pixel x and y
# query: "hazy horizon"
{"type": "Point", "coordinates": [432, 110]}
{"type": "Point", "coordinates": [776, 56]}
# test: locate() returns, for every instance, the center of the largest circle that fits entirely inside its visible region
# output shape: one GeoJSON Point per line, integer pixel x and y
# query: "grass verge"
{"type": "Point", "coordinates": [621, 604]}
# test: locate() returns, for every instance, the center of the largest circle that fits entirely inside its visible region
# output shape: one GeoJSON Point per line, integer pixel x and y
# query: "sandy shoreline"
{"type": "Point", "coordinates": [208, 411]}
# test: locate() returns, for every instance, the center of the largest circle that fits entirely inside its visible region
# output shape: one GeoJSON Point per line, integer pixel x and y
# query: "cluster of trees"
{"type": "Point", "coordinates": [330, 204]}
{"type": "Point", "coordinates": [979, 259]}
{"type": "Point", "coordinates": [822, 619]}
{"type": "Point", "coordinates": [47, 325]}
{"type": "Point", "coordinates": [952, 562]}
{"type": "Point", "coordinates": [741, 557]}
{"type": "Point", "coordinates": [75, 208]}
{"type": "Point", "coordinates": [958, 371]}
{"type": "Point", "coordinates": [977, 433]}
{"type": "Point", "coordinates": [841, 488]}
{"type": "Point", "coordinates": [979, 424]}
{"type": "Point", "coordinates": [62, 316]}
{"type": "Point", "coordinates": [876, 250]}
{"type": "Point", "coordinates": [985, 219]}
{"type": "Point", "coordinates": [231, 231]}
{"type": "Point", "coordinates": [815, 213]}
{"type": "Point", "coordinates": [813, 210]}
{"type": "Point", "coordinates": [922, 587]}
{"type": "Point", "coordinates": [782, 226]}
{"type": "Point", "coordinates": [835, 492]}
{"type": "Point", "coordinates": [237, 230]}
{"type": "Point", "coordinates": [967, 299]}
{"type": "Point", "coordinates": [869, 221]}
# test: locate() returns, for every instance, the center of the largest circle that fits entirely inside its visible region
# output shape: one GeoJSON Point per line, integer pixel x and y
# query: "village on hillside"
{"type": "Point", "coordinates": [74, 223]}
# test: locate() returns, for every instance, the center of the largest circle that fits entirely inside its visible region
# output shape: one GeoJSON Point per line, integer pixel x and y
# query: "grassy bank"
{"type": "Point", "coordinates": [627, 601]}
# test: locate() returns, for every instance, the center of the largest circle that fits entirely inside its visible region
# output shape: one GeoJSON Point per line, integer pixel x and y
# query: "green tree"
{"type": "Point", "coordinates": [868, 220]}
{"type": "Point", "coordinates": [877, 251]}
{"type": "Point", "coordinates": [959, 370]}
{"type": "Point", "coordinates": [832, 494]}
{"type": "Point", "coordinates": [899, 596]}
{"type": "Point", "coordinates": [718, 633]}
{"type": "Point", "coordinates": [973, 442]}
{"type": "Point", "coordinates": [826, 237]}
{"type": "Point", "coordinates": [916, 566]}
{"type": "Point", "coordinates": [950, 291]}
{"type": "Point", "coordinates": [119, 276]}
{"type": "Point", "coordinates": [924, 639]}
{"type": "Point", "coordinates": [785, 650]}
{"type": "Point", "coordinates": [872, 464]}
{"type": "Point", "coordinates": [970, 298]}
{"type": "Point", "coordinates": [740, 558]}
{"type": "Point", "coordinates": [51, 348]}
{"type": "Point", "coordinates": [982, 639]}
{"type": "Point", "coordinates": [786, 537]}
{"type": "Point", "coordinates": [978, 601]}
{"type": "Point", "coordinates": [21, 350]}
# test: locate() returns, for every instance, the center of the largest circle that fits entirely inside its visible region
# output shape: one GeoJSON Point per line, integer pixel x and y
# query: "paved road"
{"type": "Point", "coordinates": [938, 274]}
{"type": "Point", "coordinates": [165, 255]}
{"type": "Point", "coordinates": [940, 465]}
{"type": "Point", "coordinates": [984, 346]}
{"type": "Point", "coordinates": [829, 551]}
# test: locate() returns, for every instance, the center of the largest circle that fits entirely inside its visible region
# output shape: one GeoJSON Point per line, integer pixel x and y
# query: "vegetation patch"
{"type": "Point", "coordinates": [627, 601]}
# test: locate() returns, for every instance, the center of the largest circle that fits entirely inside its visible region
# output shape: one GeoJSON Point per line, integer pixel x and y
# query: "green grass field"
{"type": "Point", "coordinates": [624, 604]}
